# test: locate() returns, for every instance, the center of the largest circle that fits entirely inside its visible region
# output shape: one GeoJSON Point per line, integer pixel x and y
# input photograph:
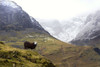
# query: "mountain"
{"type": "Point", "coordinates": [64, 30]}
{"type": "Point", "coordinates": [72, 27]}
{"type": "Point", "coordinates": [18, 29]}
{"type": "Point", "coordinates": [90, 33]}
{"type": "Point", "coordinates": [80, 30]}
{"type": "Point", "coordinates": [53, 26]}
{"type": "Point", "coordinates": [13, 17]}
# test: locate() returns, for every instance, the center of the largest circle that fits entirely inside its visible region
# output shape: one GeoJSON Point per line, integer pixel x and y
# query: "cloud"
{"type": "Point", "coordinates": [58, 9]}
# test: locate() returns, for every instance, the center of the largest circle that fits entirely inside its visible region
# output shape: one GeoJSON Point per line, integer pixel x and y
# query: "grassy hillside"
{"type": "Point", "coordinates": [76, 56]}
{"type": "Point", "coordinates": [60, 53]}
{"type": "Point", "coordinates": [14, 57]}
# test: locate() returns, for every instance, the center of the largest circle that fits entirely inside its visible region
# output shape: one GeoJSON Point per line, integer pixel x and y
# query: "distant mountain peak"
{"type": "Point", "coordinates": [90, 33]}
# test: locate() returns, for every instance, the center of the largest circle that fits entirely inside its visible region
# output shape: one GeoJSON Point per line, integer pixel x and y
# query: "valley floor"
{"type": "Point", "coordinates": [60, 53]}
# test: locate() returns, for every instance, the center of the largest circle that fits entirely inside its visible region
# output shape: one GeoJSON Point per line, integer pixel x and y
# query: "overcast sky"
{"type": "Point", "coordinates": [57, 9]}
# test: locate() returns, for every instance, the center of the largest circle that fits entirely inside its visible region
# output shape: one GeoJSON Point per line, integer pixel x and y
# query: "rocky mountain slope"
{"type": "Point", "coordinates": [81, 30]}
{"type": "Point", "coordinates": [12, 17]}
{"type": "Point", "coordinates": [90, 33]}
{"type": "Point", "coordinates": [64, 30]}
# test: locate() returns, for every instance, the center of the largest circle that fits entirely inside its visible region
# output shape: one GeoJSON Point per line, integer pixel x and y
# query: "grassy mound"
{"type": "Point", "coordinates": [13, 57]}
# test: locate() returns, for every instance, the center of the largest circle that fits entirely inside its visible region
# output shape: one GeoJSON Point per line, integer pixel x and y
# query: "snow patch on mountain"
{"type": "Point", "coordinates": [8, 3]}
{"type": "Point", "coordinates": [73, 27]}
{"type": "Point", "coordinates": [92, 27]}
{"type": "Point", "coordinates": [64, 30]}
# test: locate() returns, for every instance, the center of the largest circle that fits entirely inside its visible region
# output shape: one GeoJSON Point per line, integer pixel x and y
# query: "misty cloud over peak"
{"type": "Point", "coordinates": [64, 30]}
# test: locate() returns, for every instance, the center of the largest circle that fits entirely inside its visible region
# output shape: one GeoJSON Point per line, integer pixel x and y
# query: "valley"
{"type": "Point", "coordinates": [16, 27]}
{"type": "Point", "coordinates": [60, 53]}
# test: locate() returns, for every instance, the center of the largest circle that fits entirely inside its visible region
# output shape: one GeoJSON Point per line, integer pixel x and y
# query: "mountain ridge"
{"type": "Point", "coordinates": [14, 18]}
{"type": "Point", "coordinates": [90, 33]}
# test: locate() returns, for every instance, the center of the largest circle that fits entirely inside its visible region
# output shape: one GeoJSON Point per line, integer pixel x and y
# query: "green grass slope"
{"type": "Point", "coordinates": [14, 57]}
{"type": "Point", "coordinates": [76, 56]}
{"type": "Point", "coordinates": [60, 53]}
